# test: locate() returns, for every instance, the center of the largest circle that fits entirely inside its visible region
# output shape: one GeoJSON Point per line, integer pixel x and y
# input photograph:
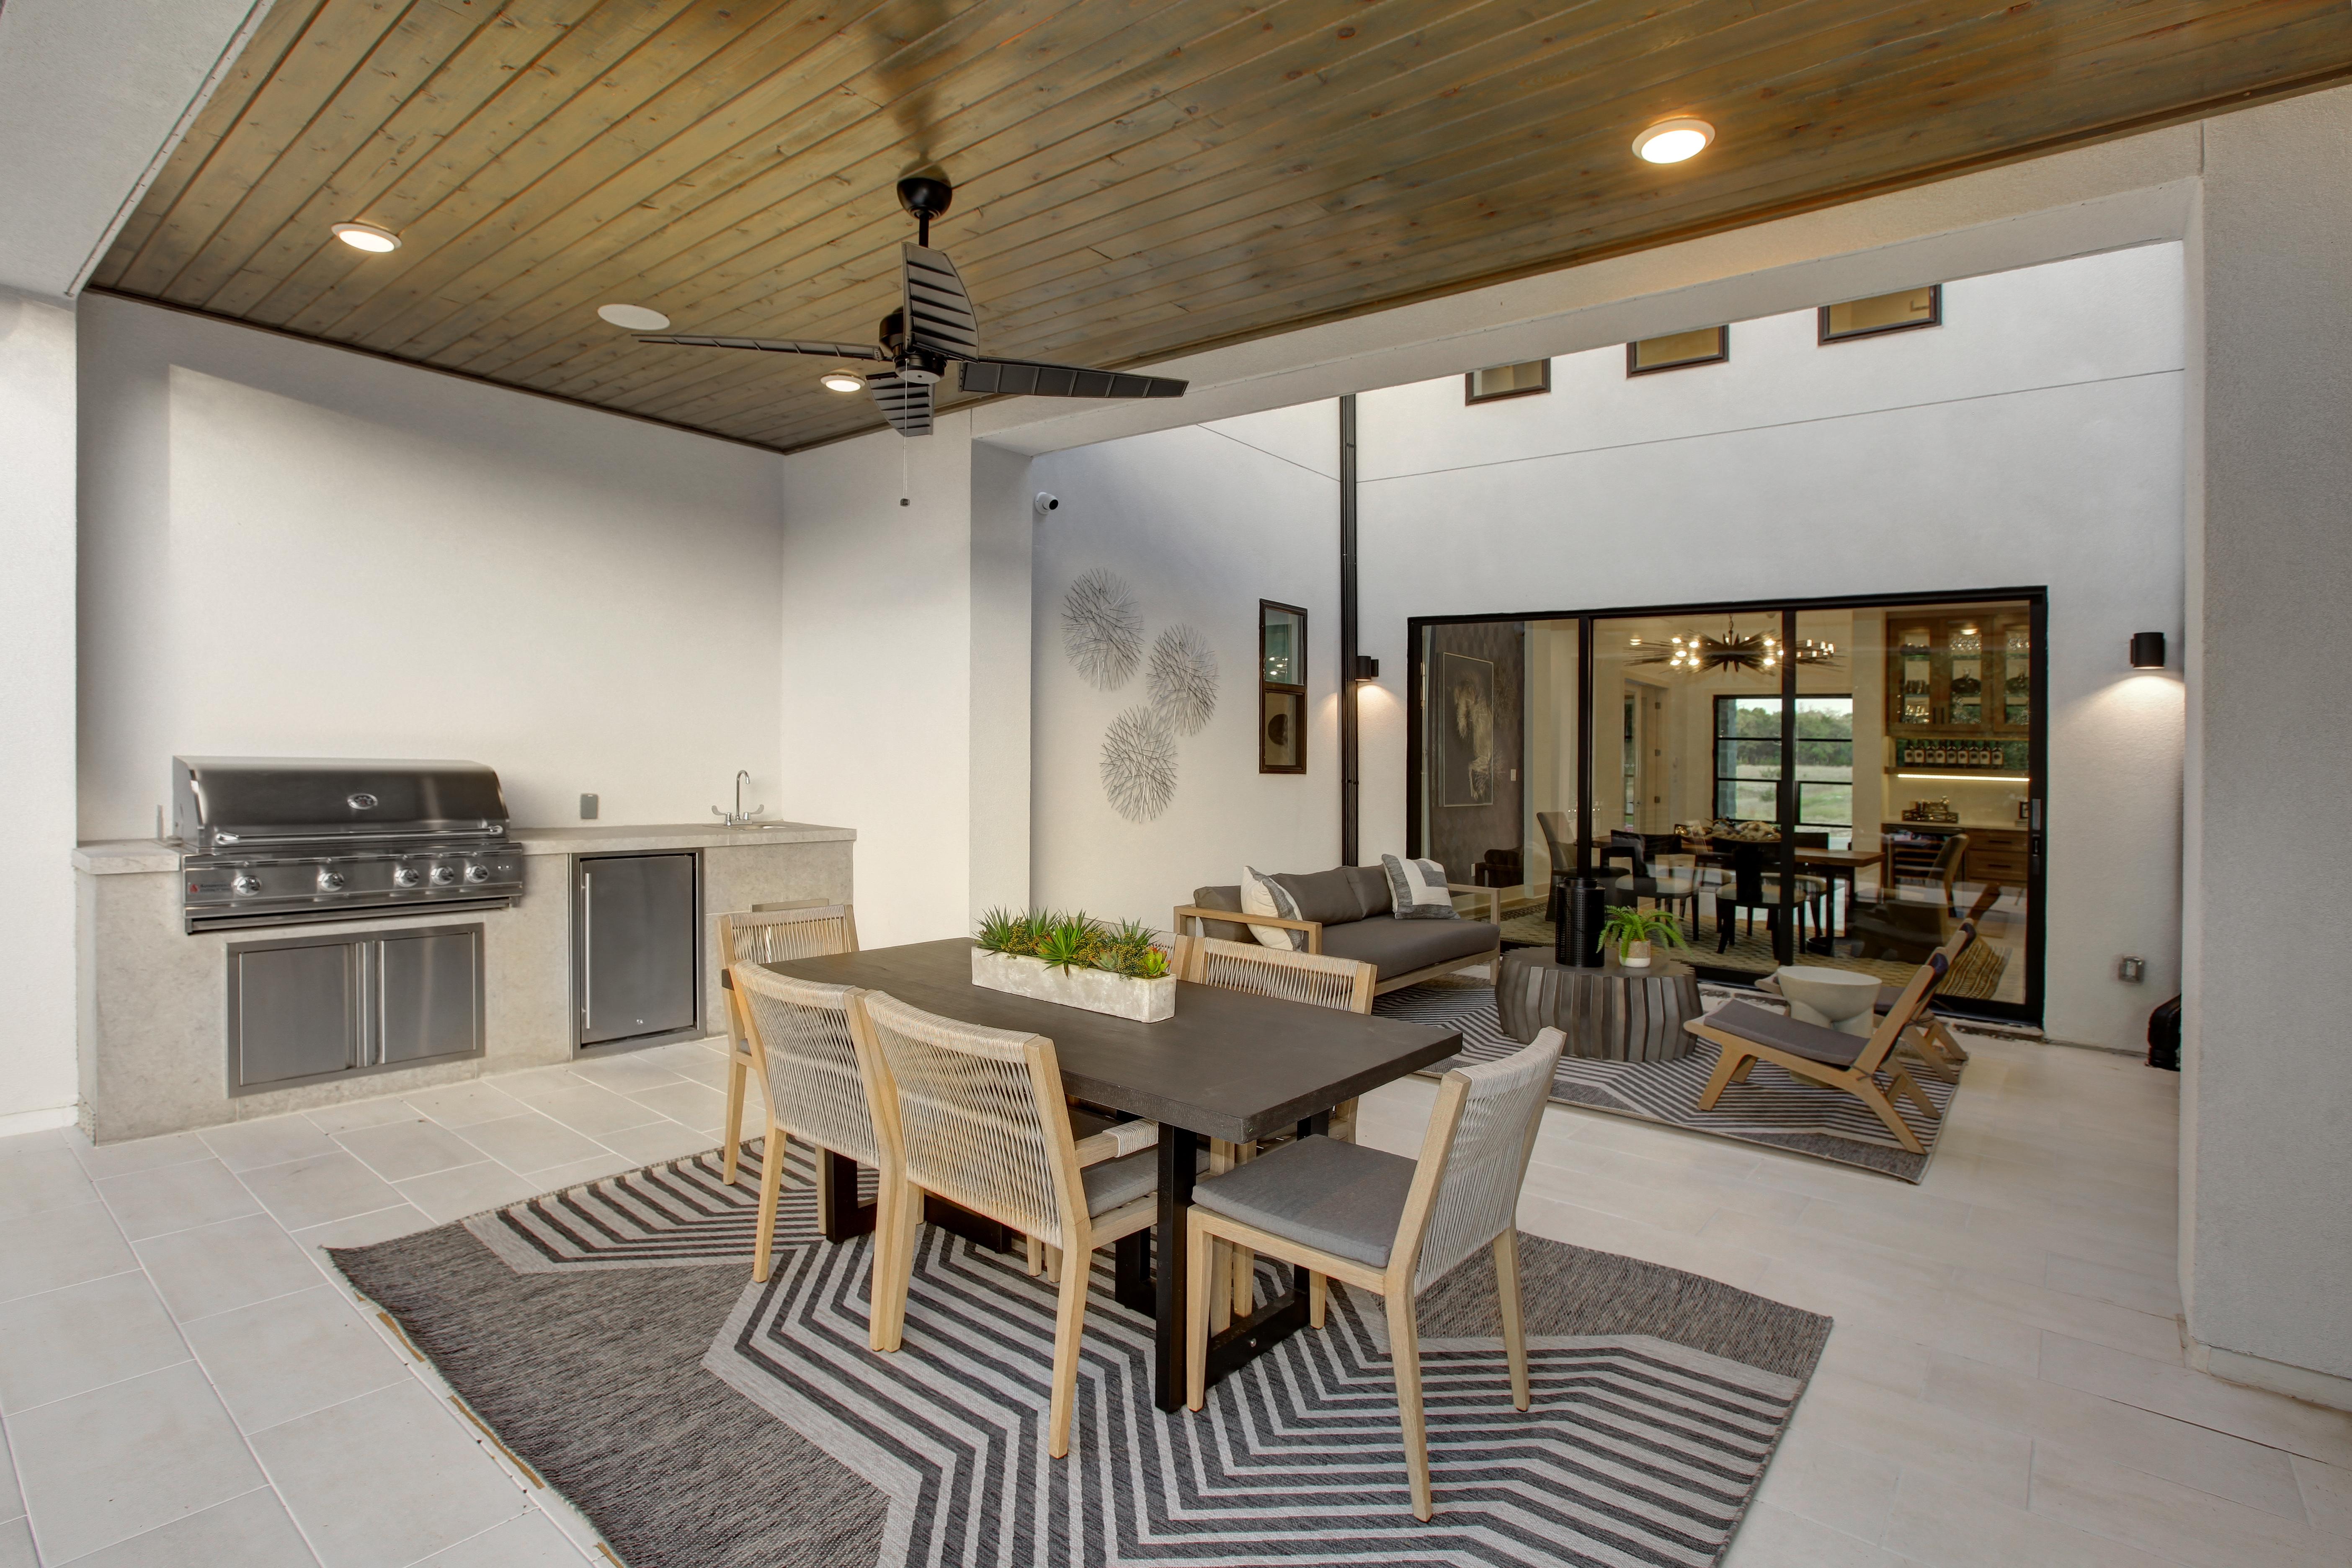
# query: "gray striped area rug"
{"type": "Point", "coordinates": [1772, 1107]}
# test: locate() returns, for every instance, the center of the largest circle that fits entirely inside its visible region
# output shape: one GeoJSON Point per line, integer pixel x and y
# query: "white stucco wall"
{"type": "Point", "coordinates": [289, 550]}
{"type": "Point", "coordinates": [37, 711]}
{"type": "Point", "coordinates": [1202, 522]}
{"type": "Point", "coordinates": [2033, 440]}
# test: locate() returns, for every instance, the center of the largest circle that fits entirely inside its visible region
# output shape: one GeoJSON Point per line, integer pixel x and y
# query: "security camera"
{"type": "Point", "coordinates": [1047, 503]}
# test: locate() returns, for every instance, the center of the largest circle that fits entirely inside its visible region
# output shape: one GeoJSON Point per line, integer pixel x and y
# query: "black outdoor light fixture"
{"type": "Point", "coordinates": [1367, 668]}
{"type": "Point", "coordinates": [2147, 650]}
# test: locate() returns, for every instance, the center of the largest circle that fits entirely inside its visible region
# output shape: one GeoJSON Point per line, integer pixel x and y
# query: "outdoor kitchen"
{"type": "Point", "coordinates": [313, 931]}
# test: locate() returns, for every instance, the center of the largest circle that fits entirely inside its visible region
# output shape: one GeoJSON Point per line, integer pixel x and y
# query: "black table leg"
{"type": "Point", "coordinates": [1179, 1149]}
{"type": "Point", "coordinates": [839, 1215]}
{"type": "Point", "coordinates": [1131, 1273]}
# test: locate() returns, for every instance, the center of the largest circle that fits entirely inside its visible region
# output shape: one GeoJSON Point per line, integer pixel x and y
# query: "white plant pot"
{"type": "Point", "coordinates": [1635, 957]}
{"type": "Point", "coordinates": [1096, 990]}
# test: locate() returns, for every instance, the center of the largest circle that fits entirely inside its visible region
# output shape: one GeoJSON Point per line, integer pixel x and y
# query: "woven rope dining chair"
{"type": "Point", "coordinates": [772, 933]}
{"type": "Point", "coordinates": [1319, 981]}
{"type": "Point", "coordinates": [1391, 1224]}
{"type": "Point", "coordinates": [977, 1116]}
{"type": "Point", "coordinates": [803, 1038]}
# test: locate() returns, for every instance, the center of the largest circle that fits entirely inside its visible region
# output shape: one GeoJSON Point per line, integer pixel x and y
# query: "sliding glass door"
{"type": "Point", "coordinates": [1824, 782]}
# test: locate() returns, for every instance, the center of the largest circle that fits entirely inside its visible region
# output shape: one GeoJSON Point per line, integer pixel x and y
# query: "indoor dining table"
{"type": "Point", "coordinates": [1228, 1064]}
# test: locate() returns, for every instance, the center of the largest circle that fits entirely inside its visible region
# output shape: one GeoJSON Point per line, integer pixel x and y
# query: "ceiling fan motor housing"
{"type": "Point", "coordinates": [911, 364]}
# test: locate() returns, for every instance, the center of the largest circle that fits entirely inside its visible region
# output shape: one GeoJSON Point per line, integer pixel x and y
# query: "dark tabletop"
{"type": "Point", "coordinates": [1228, 1064]}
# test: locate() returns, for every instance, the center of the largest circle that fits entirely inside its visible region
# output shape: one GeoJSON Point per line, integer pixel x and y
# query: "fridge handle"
{"type": "Point", "coordinates": [587, 950]}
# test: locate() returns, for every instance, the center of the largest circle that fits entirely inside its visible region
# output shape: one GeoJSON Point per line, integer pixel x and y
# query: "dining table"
{"type": "Point", "coordinates": [1846, 864]}
{"type": "Point", "coordinates": [1228, 1064]}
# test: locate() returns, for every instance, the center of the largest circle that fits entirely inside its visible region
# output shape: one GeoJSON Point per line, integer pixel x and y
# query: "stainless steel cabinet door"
{"type": "Point", "coordinates": [633, 926]}
{"type": "Point", "coordinates": [428, 995]}
{"type": "Point", "coordinates": [294, 1011]}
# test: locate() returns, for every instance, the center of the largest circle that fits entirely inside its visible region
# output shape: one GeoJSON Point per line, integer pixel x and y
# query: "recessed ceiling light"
{"type": "Point", "coordinates": [367, 237]}
{"type": "Point", "coordinates": [843, 381]}
{"type": "Point", "coordinates": [636, 317]}
{"type": "Point", "coordinates": [1672, 140]}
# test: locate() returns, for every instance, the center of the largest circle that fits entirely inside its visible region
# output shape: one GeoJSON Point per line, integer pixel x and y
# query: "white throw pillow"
{"type": "Point", "coordinates": [1262, 895]}
{"type": "Point", "coordinates": [1418, 889]}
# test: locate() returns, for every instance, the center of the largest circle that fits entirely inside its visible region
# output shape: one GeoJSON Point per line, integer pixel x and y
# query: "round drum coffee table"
{"type": "Point", "coordinates": [1610, 1014]}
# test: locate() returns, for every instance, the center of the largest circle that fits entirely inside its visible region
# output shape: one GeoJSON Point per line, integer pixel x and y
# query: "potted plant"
{"type": "Point", "coordinates": [1077, 960]}
{"type": "Point", "coordinates": [1632, 931]}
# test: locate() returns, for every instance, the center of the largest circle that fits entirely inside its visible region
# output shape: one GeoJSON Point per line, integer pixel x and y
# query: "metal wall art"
{"type": "Point", "coordinates": [1181, 678]}
{"type": "Point", "coordinates": [1102, 629]}
{"type": "Point", "coordinates": [1138, 764]}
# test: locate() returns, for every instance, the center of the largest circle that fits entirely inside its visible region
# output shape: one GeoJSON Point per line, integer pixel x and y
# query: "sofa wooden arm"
{"type": "Point", "coordinates": [1494, 897]}
{"type": "Point", "coordinates": [1116, 1143]}
{"type": "Point", "coordinates": [1314, 928]}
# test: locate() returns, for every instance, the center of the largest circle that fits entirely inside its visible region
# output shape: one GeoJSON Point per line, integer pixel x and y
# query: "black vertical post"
{"type": "Point", "coordinates": [1348, 771]}
{"type": "Point", "coordinates": [1584, 641]}
{"type": "Point", "coordinates": [1784, 949]}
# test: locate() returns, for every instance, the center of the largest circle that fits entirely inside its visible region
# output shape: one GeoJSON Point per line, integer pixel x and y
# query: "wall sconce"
{"type": "Point", "coordinates": [1367, 668]}
{"type": "Point", "coordinates": [2147, 650]}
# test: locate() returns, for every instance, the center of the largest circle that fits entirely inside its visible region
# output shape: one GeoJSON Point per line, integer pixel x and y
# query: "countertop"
{"type": "Point", "coordinates": [118, 857]}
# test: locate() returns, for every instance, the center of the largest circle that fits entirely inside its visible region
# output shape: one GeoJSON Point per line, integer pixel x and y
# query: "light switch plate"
{"type": "Point", "coordinates": [587, 808]}
{"type": "Point", "coordinates": [2133, 971]}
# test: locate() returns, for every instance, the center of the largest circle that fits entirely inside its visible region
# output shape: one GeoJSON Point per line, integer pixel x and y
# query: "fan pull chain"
{"type": "Point", "coordinates": [904, 499]}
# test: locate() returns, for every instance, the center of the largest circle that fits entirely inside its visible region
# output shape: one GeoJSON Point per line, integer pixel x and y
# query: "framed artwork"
{"type": "Point", "coordinates": [1282, 688]}
{"type": "Point", "coordinates": [1465, 731]}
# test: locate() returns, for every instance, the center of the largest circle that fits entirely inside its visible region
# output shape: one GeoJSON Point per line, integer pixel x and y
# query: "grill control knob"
{"type": "Point", "coordinates": [407, 877]}
{"type": "Point", "coordinates": [330, 879]}
{"type": "Point", "coordinates": [478, 873]}
{"type": "Point", "coordinates": [244, 883]}
{"type": "Point", "coordinates": [444, 876]}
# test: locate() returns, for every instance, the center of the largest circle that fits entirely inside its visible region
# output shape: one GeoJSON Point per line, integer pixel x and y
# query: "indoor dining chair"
{"type": "Point", "coordinates": [977, 1116]}
{"type": "Point", "coordinates": [803, 1041]}
{"type": "Point", "coordinates": [771, 933]}
{"type": "Point", "coordinates": [1747, 1034]}
{"type": "Point", "coordinates": [1390, 1225]}
{"type": "Point", "coordinates": [1317, 979]}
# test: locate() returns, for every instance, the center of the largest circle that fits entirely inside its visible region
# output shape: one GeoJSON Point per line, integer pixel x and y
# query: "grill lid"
{"type": "Point", "coordinates": [219, 800]}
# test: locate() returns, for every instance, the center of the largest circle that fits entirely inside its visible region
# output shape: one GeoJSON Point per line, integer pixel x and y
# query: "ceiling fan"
{"type": "Point", "coordinates": [933, 326]}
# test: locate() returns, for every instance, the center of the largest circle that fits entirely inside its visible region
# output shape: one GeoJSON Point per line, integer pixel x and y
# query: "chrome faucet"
{"type": "Point", "coordinates": [739, 817]}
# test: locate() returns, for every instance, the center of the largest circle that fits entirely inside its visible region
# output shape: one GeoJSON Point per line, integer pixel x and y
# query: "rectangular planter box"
{"type": "Point", "coordinates": [1096, 990]}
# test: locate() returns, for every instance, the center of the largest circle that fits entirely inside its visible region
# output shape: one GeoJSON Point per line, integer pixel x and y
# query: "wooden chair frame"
{"type": "Point", "coordinates": [778, 1135]}
{"type": "Point", "coordinates": [1394, 1283]}
{"type": "Point", "coordinates": [1189, 921]}
{"type": "Point", "coordinates": [1080, 1233]}
{"type": "Point", "coordinates": [1859, 1079]}
{"type": "Point", "coordinates": [742, 1059]}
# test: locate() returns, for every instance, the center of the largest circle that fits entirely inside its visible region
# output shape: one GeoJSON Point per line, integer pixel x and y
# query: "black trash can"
{"type": "Point", "coordinates": [1577, 946]}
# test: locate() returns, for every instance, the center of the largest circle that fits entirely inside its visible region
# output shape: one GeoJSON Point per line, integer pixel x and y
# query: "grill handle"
{"type": "Point", "coordinates": [491, 829]}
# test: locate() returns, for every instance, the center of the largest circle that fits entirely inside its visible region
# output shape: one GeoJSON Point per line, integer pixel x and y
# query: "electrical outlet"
{"type": "Point", "coordinates": [2132, 969]}
{"type": "Point", "coordinates": [587, 808]}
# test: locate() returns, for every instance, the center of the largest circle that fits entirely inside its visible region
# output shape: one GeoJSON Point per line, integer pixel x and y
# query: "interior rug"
{"type": "Point", "coordinates": [702, 1421]}
{"type": "Point", "coordinates": [1771, 1105]}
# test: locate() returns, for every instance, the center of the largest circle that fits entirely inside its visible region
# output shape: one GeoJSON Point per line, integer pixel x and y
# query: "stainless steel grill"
{"type": "Point", "coordinates": [281, 840]}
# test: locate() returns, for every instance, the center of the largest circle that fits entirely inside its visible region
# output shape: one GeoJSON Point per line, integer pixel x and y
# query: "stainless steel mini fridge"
{"type": "Point", "coordinates": [636, 925]}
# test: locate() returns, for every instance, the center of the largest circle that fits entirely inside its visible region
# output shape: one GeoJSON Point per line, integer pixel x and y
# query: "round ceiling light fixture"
{"type": "Point", "coordinates": [1672, 140]}
{"type": "Point", "coordinates": [367, 237]}
{"type": "Point", "coordinates": [636, 317]}
{"type": "Point", "coordinates": [843, 381]}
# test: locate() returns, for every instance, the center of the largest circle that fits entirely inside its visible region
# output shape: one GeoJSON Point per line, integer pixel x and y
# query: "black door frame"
{"type": "Point", "coordinates": [2035, 599]}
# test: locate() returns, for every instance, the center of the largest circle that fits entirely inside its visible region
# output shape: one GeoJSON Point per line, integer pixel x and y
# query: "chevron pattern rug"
{"type": "Point", "coordinates": [703, 1421]}
{"type": "Point", "coordinates": [1772, 1107]}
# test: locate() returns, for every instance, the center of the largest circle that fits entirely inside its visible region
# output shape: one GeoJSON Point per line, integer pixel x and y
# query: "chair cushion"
{"type": "Point", "coordinates": [1226, 898]}
{"type": "Point", "coordinates": [1125, 1179]}
{"type": "Point", "coordinates": [1326, 896]}
{"type": "Point", "coordinates": [1337, 1197]}
{"type": "Point", "coordinates": [1397, 947]}
{"type": "Point", "coordinates": [1371, 890]}
{"type": "Point", "coordinates": [1813, 1042]}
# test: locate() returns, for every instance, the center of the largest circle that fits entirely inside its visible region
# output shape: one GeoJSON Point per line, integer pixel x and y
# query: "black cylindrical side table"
{"type": "Point", "coordinates": [1610, 1014]}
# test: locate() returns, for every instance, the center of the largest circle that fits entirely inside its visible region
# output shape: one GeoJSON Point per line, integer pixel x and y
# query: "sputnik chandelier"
{"type": "Point", "coordinates": [1698, 653]}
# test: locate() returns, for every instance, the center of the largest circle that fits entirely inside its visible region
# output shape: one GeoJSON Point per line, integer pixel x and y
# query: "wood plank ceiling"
{"type": "Point", "coordinates": [1134, 178]}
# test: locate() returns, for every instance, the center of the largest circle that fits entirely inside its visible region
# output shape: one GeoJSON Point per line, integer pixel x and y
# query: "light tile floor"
{"type": "Point", "coordinates": [184, 1380]}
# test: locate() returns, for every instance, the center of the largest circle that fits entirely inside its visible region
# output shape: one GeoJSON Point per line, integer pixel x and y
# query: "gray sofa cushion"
{"type": "Point", "coordinates": [1226, 898]}
{"type": "Point", "coordinates": [1397, 947]}
{"type": "Point", "coordinates": [1340, 1197]}
{"type": "Point", "coordinates": [1371, 889]}
{"type": "Point", "coordinates": [1326, 896]}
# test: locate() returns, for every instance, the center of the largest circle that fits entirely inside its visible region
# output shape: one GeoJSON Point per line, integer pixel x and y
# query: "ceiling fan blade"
{"type": "Point", "coordinates": [906, 405]}
{"type": "Point", "coordinates": [1034, 378]}
{"type": "Point", "coordinates": [938, 310]}
{"type": "Point", "coordinates": [773, 345]}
